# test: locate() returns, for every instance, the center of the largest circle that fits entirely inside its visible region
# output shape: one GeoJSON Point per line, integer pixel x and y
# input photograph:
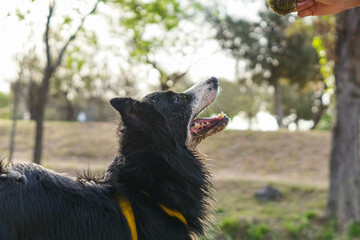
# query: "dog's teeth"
{"type": "Point", "coordinates": [222, 115]}
{"type": "Point", "coordinates": [197, 125]}
{"type": "Point", "coordinates": [207, 123]}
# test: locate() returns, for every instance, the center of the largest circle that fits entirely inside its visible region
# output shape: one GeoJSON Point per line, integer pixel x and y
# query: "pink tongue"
{"type": "Point", "coordinates": [199, 121]}
{"type": "Point", "coordinates": [193, 130]}
{"type": "Point", "coordinates": [205, 121]}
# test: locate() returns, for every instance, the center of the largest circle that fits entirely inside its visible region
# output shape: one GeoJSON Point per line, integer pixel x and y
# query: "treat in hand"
{"type": "Point", "coordinates": [282, 7]}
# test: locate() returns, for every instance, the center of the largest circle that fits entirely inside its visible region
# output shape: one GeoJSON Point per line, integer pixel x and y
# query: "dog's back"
{"type": "Point", "coordinates": [36, 203]}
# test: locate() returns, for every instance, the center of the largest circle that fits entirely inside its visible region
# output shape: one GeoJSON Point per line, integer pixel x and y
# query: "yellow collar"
{"type": "Point", "coordinates": [126, 208]}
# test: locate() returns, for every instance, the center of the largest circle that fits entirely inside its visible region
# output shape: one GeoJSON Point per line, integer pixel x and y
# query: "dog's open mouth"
{"type": "Point", "coordinates": [201, 126]}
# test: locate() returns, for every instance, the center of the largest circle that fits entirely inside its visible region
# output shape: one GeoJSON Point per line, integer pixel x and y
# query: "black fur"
{"type": "Point", "coordinates": [153, 166]}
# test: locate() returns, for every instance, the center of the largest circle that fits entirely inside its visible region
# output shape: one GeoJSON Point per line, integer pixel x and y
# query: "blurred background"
{"type": "Point", "coordinates": [62, 61]}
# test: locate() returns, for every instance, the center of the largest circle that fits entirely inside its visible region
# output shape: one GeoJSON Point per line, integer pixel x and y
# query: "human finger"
{"type": "Point", "coordinates": [303, 5]}
{"type": "Point", "coordinates": [306, 12]}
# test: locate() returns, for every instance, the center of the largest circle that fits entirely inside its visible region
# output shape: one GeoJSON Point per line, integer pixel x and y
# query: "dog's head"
{"type": "Point", "coordinates": [161, 116]}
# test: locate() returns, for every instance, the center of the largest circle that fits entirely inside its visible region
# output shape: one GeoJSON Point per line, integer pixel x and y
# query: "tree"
{"type": "Point", "coordinates": [52, 63]}
{"type": "Point", "coordinates": [82, 74]}
{"type": "Point", "coordinates": [167, 80]}
{"type": "Point", "coordinates": [344, 192]}
{"type": "Point", "coordinates": [303, 102]}
{"type": "Point", "coordinates": [136, 16]}
{"type": "Point", "coordinates": [242, 96]}
{"type": "Point", "coordinates": [271, 51]}
{"type": "Point", "coordinates": [147, 43]}
{"type": "Point", "coordinates": [32, 73]}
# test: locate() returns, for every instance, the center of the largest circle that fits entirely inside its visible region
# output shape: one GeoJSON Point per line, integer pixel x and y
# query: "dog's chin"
{"type": "Point", "coordinates": [202, 128]}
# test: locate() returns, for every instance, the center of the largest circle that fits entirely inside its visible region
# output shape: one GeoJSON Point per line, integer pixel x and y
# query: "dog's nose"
{"type": "Point", "coordinates": [213, 82]}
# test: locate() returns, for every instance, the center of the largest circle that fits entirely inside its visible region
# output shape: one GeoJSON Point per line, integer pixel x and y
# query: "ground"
{"type": "Point", "coordinates": [242, 161]}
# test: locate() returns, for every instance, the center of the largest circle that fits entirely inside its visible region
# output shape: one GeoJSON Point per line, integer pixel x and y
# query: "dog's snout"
{"type": "Point", "coordinates": [213, 82]}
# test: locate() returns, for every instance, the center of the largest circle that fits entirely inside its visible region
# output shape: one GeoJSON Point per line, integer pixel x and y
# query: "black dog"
{"type": "Point", "coordinates": [156, 188]}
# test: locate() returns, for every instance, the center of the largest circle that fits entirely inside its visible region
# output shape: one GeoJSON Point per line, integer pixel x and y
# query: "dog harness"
{"type": "Point", "coordinates": [126, 208]}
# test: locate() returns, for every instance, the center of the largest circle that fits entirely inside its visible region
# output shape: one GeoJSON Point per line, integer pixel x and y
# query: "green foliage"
{"type": "Point", "coordinates": [80, 78]}
{"type": "Point", "coordinates": [67, 20]}
{"type": "Point", "coordinates": [326, 66]}
{"type": "Point", "coordinates": [298, 101]}
{"type": "Point", "coordinates": [329, 232]}
{"type": "Point", "coordinates": [293, 228]}
{"type": "Point", "coordinates": [79, 70]}
{"type": "Point", "coordinates": [310, 215]}
{"type": "Point", "coordinates": [236, 229]}
{"type": "Point", "coordinates": [139, 14]}
{"type": "Point", "coordinates": [275, 49]}
{"type": "Point", "coordinates": [231, 226]}
{"type": "Point", "coordinates": [20, 15]}
{"type": "Point", "coordinates": [354, 230]}
{"type": "Point", "coordinates": [325, 123]}
{"type": "Point", "coordinates": [302, 227]}
{"type": "Point", "coordinates": [307, 226]}
{"type": "Point", "coordinates": [259, 232]}
{"type": "Point", "coordinates": [300, 58]}
{"type": "Point", "coordinates": [326, 234]}
{"type": "Point", "coordinates": [272, 51]}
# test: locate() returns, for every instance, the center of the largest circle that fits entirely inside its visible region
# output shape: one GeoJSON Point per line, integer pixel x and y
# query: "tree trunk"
{"type": "Point", "coordinates": [163, 80]}
{"type": "Point", "coordinates": [317, 116]}
{"type": "Point", "coordinates": [32, 98]}
{"type": "Point", "coordinates": [43, 91]}
{"type": "Point", "coordinates": [70, 110]}
{"type": "Point", "coordinates": [164, 86]}
{"type": "Point", "coordinates": [278, 104]}
{"type": "Point", "coordinates": [344, 192]}
{"type": "Point", "coordinates": [14, 119]}
{"type": "Point", "coordinates": [49, 70]}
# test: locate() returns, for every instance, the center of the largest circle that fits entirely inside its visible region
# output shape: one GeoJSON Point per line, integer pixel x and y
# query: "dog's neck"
{"type": "Point", "coordinates": [177, 179]}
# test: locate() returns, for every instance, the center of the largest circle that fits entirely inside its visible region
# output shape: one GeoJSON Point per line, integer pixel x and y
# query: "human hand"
{"type": "Point", "coordinates": [323, 7]}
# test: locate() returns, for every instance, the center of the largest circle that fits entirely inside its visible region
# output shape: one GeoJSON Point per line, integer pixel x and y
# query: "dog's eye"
{"type": "Point", "coordinates": [176, 99]}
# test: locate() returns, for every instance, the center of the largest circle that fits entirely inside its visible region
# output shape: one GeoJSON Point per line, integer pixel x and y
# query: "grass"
{"type": "Point", "coordinates": [296, 163]}
{"type": "Point", "coordinates": [296, 216]}
{"type": "Point", "coordinates": [239, 196]}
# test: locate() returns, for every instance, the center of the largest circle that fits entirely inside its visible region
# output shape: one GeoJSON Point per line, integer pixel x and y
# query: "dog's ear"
{"type": "Point", "coordinates": [136, 114]}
